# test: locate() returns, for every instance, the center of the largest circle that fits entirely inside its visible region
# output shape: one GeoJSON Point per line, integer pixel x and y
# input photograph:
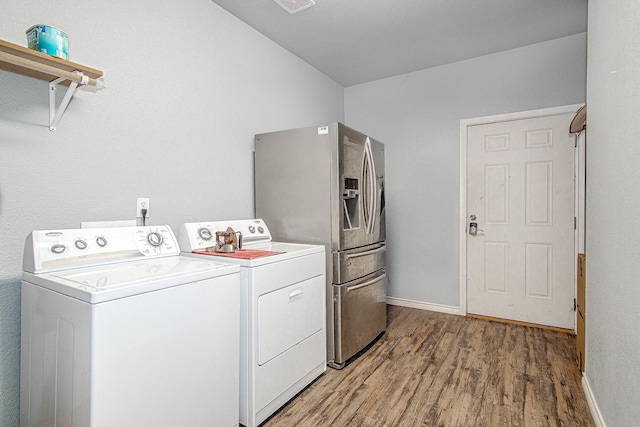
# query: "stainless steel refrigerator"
{"type": "Point", "coordinates": [325, 185]}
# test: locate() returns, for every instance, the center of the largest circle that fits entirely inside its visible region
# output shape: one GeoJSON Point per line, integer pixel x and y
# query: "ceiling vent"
{"type": "Point", "coordinates": [295, 6]}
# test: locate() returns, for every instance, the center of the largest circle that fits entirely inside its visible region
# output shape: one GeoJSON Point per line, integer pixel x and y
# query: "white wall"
{"type": "Point", "coordinates": [418, 117]}
{"type": "Point", "coordinates": [612, 373]}
{"type": "Point", "coordinates": [188, 86]}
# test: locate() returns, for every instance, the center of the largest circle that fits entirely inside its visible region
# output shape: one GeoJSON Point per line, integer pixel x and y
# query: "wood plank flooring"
{"type": "Point", "coordinates": [434, 369]}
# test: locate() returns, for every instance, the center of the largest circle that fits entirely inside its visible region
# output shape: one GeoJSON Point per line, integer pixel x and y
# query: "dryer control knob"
{"type": "Point", "coordinates": [205, 233]}
{"type": "Point", "coordinates": [101, 241]}
{"type": "Point", "coordinates": [81, 244]}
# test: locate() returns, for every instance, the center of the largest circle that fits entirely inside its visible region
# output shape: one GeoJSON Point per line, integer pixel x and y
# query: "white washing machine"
{"type": "Point", "coordinates": [282, 311]}
{"type": "Point", "coordinates": [119, 329]}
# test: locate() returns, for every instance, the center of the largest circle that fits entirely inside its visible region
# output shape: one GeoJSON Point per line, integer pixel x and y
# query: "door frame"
{"type": "Point", "coordinates": [578, 198]}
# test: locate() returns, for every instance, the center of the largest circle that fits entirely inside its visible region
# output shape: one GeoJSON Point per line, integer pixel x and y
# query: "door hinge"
{"type": "Point", "coordinates": [575, 304]}
{"type": "Point", "coordinates": [575, 223]}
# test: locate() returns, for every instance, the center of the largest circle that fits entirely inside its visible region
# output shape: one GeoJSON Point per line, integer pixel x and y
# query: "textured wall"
{"type": "Point", "coordinates": [188, 86]}
{"type": "Point", "coordinates": [418, 117]}
{"type": "Point", "coordinates": [613, 207]}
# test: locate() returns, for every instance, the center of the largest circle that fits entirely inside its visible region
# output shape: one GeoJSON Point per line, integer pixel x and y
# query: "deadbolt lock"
{"type": "Point", "coordinates": [473, 228]}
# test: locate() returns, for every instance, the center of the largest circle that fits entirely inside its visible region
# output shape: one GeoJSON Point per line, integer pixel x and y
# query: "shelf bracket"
{"type": "Point", "coordinates": [55, 114]}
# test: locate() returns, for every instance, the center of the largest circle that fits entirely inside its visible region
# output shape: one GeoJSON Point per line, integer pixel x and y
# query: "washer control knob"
{"type": "Point", "coordinates": [58, 249]}
{"type": "Point", "coordinates": [154, 238]}
{"type": "Point", "coordinates": [81, 244]}
{"type": "Point", "coordinates": [101, 241]}
{"type": "Point", "coordinates": [205, 233]}
{"type": "Point", "coordinates": [260, 230]}
{"type": "Point", "coordinates": [252, 229]}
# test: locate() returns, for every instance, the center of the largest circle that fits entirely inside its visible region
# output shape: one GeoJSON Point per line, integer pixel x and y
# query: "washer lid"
{"type": "Point", "coordinates": [108, 282]}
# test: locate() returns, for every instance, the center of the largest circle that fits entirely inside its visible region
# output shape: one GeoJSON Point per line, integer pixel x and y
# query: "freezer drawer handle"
{"type": "Point", "coordinates": [365, 253]}
{"type": "Point", "coordinates": [295, 295]}
{"type": "Point", "coordinates": [367, 283]}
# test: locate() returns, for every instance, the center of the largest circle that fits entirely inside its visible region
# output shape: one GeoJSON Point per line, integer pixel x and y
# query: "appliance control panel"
{"type": "Point", "coordinates": [50, 250]}
{"type": "Point", "coordinates": [201, 235]}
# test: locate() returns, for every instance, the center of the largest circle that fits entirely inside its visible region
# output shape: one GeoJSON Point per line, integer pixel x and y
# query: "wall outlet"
{"type": "Point", "coordinates": [143, 203]}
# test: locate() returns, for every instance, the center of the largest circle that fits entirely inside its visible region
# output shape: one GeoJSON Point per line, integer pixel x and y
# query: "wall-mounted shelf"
{"type": "Point", "coordinates": [27, 62]}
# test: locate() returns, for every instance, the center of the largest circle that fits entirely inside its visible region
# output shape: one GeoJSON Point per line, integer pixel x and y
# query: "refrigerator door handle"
{"type": "Point", "coordinates": [370, 190]}
{"type": "Point", "coordinates": [365, 196]}
{"type": "Point", "coordinates": [367, 283]}
{"type": "Point", "coordinates": [374, 188]}
{"type": "Point", "coordinates": [365, 253]}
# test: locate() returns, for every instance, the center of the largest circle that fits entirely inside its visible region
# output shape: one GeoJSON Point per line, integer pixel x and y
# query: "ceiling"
{"type": "Point", "coordinates": [358, 41]}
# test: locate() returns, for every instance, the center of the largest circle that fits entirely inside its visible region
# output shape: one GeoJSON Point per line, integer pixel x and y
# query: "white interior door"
{"type": "Point", "coordinates": [520, 193]}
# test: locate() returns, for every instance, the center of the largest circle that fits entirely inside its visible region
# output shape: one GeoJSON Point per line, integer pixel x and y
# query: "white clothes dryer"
{"type": "Point", "coordinates": [120, 330]}
{"type": "Point", "coordinates": [282, 311]}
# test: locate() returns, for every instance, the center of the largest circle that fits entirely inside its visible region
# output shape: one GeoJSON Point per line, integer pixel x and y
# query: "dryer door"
{"type": "Point", "coordinates": [288, 316]}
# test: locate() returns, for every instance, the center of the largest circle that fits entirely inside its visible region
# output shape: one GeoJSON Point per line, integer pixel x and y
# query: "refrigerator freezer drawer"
{"type": "Point", "coordinates": [360, 314]}
{"type": "Point", "coordinates": [354, 263]}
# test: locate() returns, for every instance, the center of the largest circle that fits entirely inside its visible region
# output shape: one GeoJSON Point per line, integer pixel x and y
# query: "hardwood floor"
{"type": "Point", "coordinates": [434, 369]}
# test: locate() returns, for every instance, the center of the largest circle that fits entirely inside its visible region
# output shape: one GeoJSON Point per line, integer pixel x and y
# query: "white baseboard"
{"type": "Point", "coordinates": [448, 309]}
{"type": "Point", "coordinates": [591, 401]}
